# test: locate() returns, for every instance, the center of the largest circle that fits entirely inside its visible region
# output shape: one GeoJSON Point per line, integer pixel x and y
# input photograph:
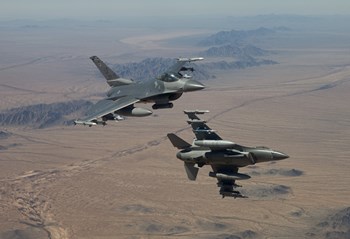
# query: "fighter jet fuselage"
{"type": "Point", "coordinates": [225, 157]}
{"type": "Point", "coordinates": [239, 157]}
{"type": "Point", "coordinates": [157, 91]}
{"type": "Point", "coordinates": [124, 93]}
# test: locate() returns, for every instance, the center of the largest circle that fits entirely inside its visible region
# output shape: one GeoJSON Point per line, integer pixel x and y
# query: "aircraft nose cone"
{"type": "Point", "coordinates": [279, 156]}
{"type": "Point", "coordinates": [193, 85]}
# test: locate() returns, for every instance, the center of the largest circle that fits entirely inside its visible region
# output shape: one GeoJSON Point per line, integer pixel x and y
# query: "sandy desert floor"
{"type": "Point", "coordinates": [124, 181]}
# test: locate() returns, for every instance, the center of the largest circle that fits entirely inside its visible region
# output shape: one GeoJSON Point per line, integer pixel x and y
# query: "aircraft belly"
{"type": "Point", "coordinates": [235, 163]}
{"type": "Point", "coordinates": [226, 158]}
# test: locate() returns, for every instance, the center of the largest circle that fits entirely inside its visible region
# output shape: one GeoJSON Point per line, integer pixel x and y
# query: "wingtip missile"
{"type": "Point", "coordinates": [190, 59]}
{"type": "Point", "coordinates": [198, 112]}
{"type": "Point", "coordinates": [196, 59]}
{"type": "Point", "coordinates": [89, 123]}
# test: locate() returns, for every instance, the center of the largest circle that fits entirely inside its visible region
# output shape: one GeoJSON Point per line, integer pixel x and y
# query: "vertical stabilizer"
{"type": "Point", "coordinates": [104, 69]}
{"type": "Point", "coordinates": [112, 78]}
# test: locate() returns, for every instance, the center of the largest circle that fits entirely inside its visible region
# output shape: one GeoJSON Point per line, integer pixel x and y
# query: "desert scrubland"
{"type": "Point", "coordinates": [123, 180]}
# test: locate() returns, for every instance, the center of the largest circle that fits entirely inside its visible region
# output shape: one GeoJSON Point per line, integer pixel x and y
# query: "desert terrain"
{"type": "Point", "coordinates": [124, 180]}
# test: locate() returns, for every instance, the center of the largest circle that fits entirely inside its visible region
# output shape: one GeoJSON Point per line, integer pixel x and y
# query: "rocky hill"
{"type": "Point", "coordinates": [151, 68]}
{"type": "Point", "coordinates": [337, 226]}
{"type": "Point", "coordinates": [241, 64]}
{"type": "Point", "coordinates": [334, 226]}
{"type": "Point", "coordinates": [43, 115]}
{"type": "Point", "coordinates": [235, 36]}
{"type": "Point", "coordinates": [230, 50]}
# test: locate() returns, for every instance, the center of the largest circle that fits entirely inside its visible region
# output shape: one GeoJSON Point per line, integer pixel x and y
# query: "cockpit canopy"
{"type": "Point", "coordinates": [168, 78]}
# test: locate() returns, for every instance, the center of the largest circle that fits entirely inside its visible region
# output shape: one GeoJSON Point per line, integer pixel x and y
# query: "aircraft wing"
{"type": "Point", "coordinates": [199, 127]}
{"type": "Point", "coordinates": [107, 106]}
{"type": "Point", "coordinates": [225, 174]}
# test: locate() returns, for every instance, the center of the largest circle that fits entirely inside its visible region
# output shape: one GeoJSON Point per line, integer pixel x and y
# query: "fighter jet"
{"type": "Point", "coordinates": [124, 93]}
{"type": "Point", "coordinates": [225, 157]}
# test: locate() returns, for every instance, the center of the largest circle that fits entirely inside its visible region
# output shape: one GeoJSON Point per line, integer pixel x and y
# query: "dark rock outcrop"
{"type": "Point", "coordinates": [151, 68]}
{"type": "Point", "coordinates": [244, 52]}
{"type": "Point", "coordinates": [241, 64]}
{"type": "Point", "coordinates": [234, 36]}
{"type": "Point", "coordinates": [4, 134]}
{"type": "Point", "coordinates": [43, 115]}
{"type": "Point", "coordinates": [336, 225]}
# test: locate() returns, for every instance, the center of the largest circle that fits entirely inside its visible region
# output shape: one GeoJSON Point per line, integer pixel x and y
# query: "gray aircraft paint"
{"type": "Point", "coordinates": [124, 93]}
{"type": "Point", "coordinates": [225, 157]}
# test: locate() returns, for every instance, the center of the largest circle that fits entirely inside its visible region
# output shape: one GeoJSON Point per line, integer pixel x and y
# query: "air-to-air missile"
{"type": "Point", "coordinates": [225, 157]}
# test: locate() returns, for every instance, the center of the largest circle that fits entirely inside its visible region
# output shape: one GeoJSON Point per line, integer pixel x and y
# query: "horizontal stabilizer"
{"type": "Point", "coordinates": [178, 142]}
{"type": "Point", "coordinates": [191, 171]}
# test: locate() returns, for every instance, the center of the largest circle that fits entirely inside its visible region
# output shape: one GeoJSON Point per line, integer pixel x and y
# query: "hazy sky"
{"type": "Point", "coordinates": [108, 9]}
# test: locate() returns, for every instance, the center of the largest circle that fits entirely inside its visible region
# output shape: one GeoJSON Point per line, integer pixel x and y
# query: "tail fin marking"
{"type": "Point", "coordinates": [112, 78]}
